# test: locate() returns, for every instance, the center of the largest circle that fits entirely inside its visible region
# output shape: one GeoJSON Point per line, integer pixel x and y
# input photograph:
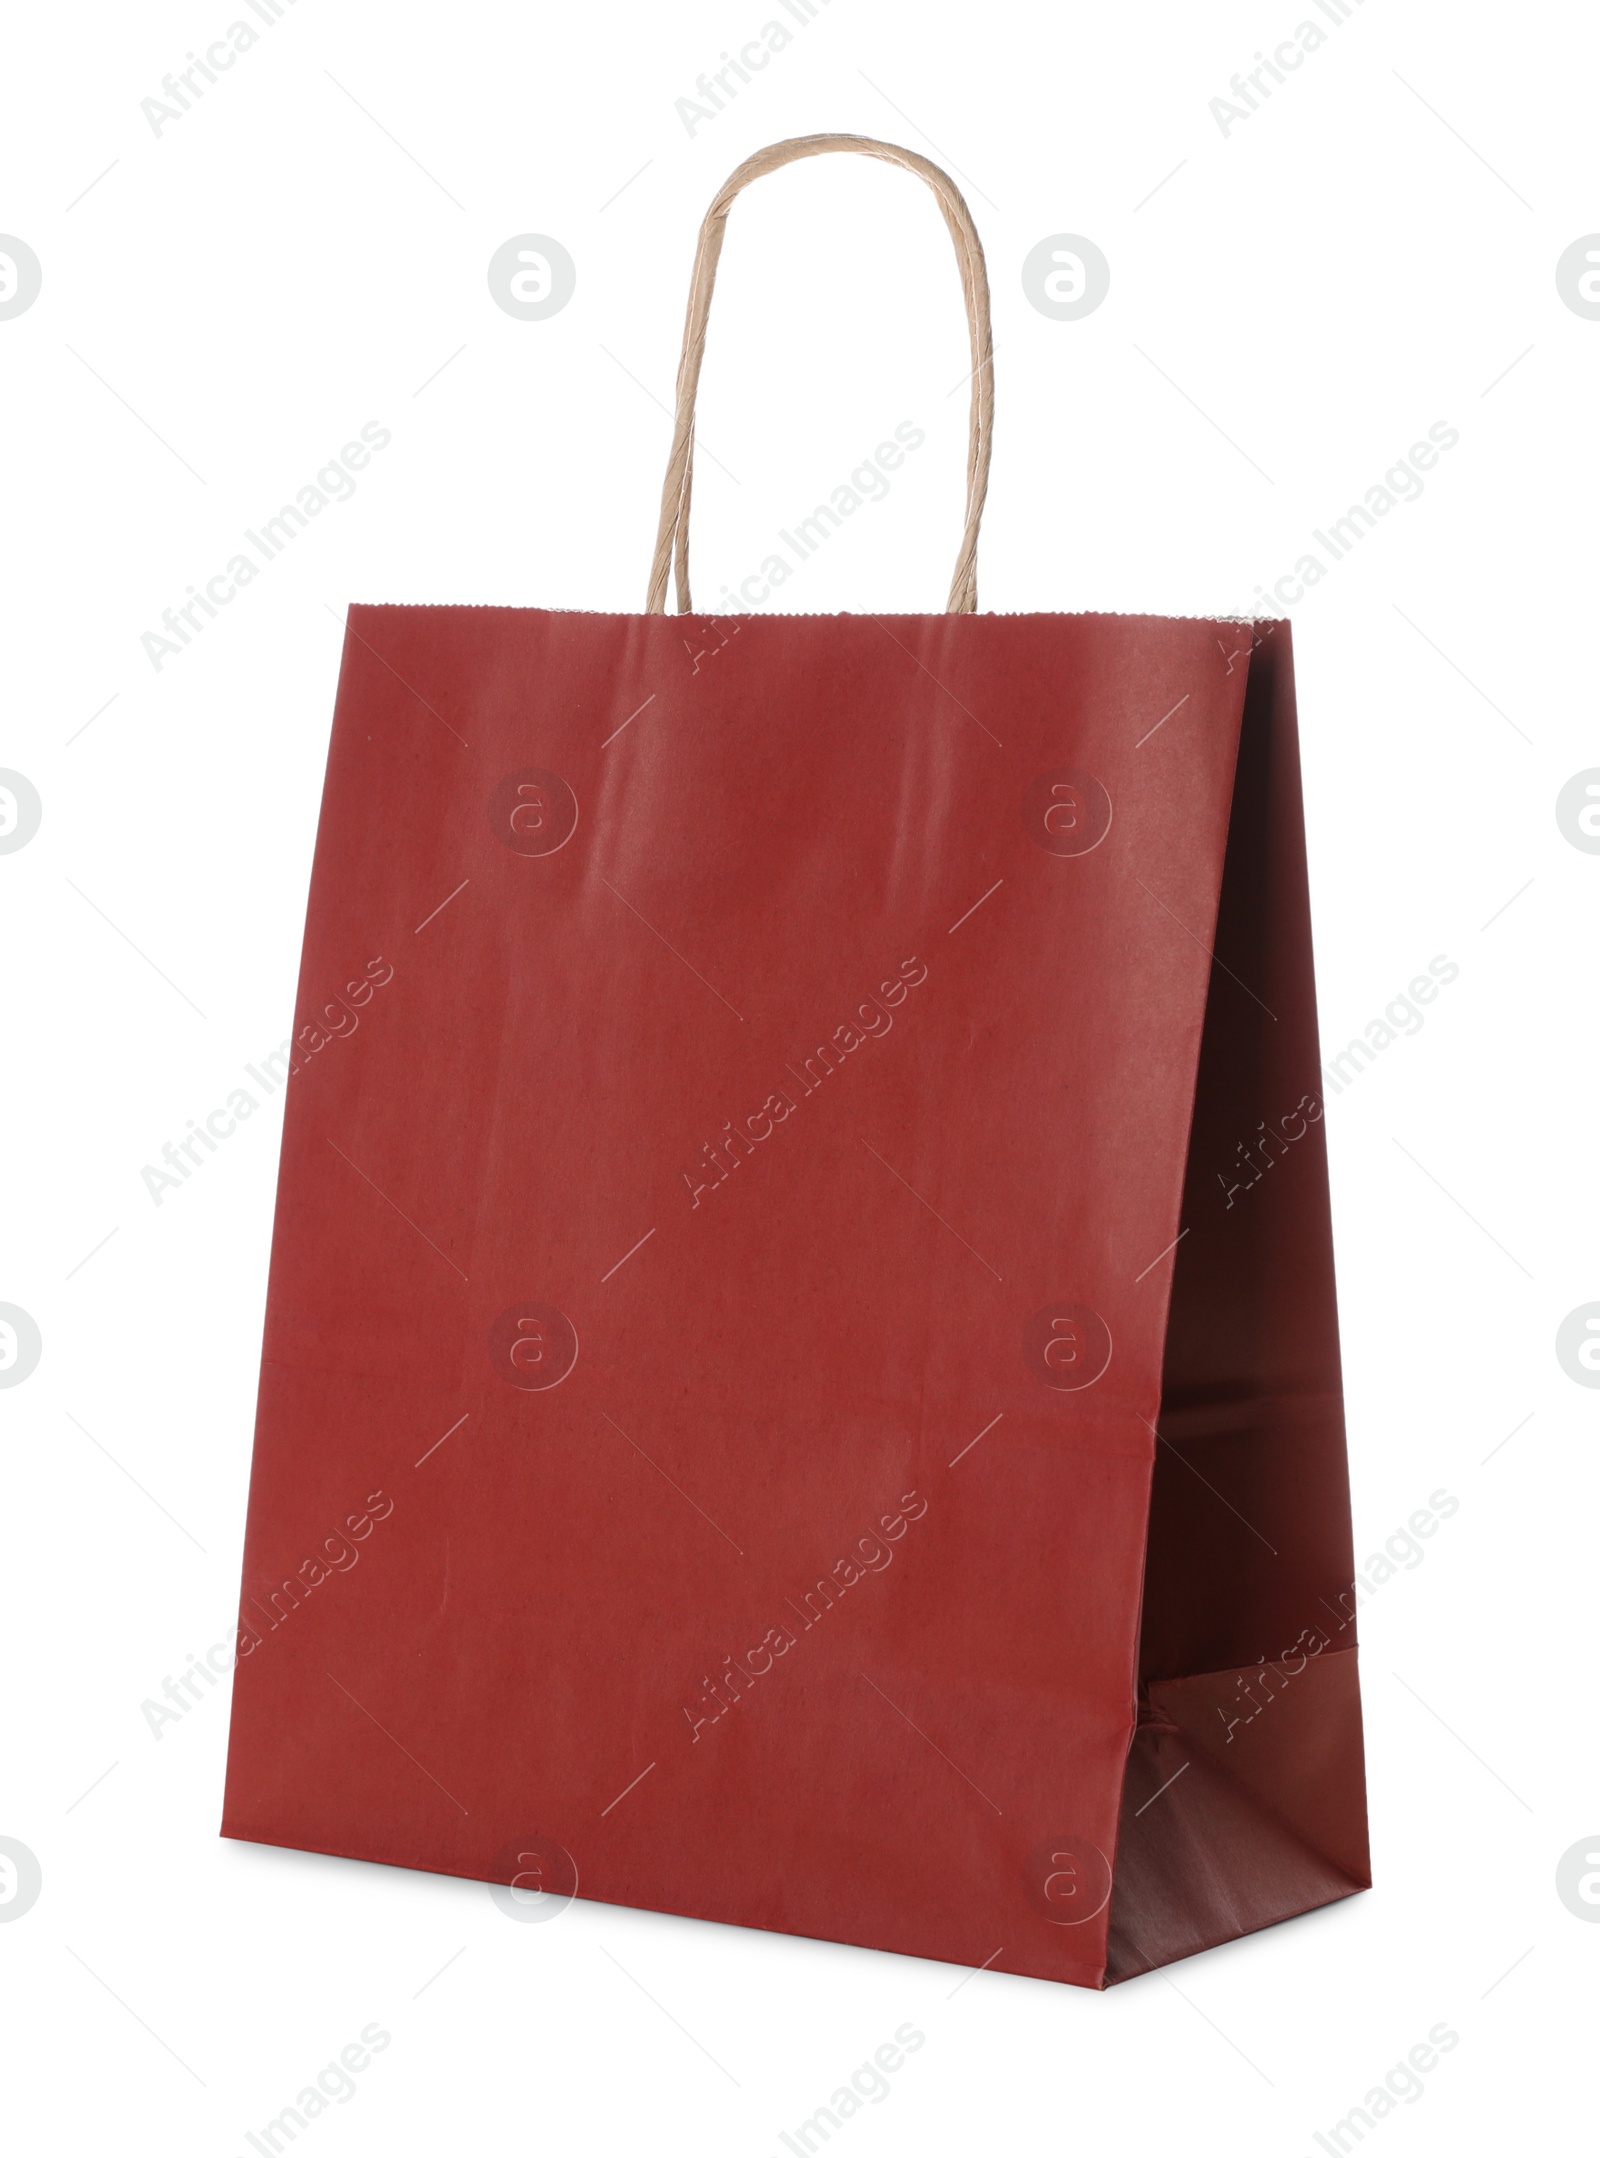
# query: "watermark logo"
{"type": "Point", "coordinates": [532, 276]}
{"type": "Point", "coordinates": [191, 1685]}
{"type": "Point", "coordinates": [533, 812]}
{"type": "Point", "coordinates": [181, 624]}
{"type": "Point", "coordinates": [1403, 482]}
{"type": "Point", "coordinates": [1066, 276]}
{"type": "Point", "coordinates": [872, 1017]}
{"type": "Point", "coordinates": [1309, 1642]}
{"type": "Point", "coordinates": [869, 482]}
{"type": "Point", "coordinates": [1578, 1345]}
{"type": "Point", "coordinates": [335, 1554]}
{"type": "Point", "coordinates": [20, 276]}
{"type": "Point", "coordinates": [185, 86]}
{"type": "Point", "coordinates": [335, 2085]}
{"type": "Point", "coordinates": [715, 89]}
{"type": "Point", "coordinates": [1577, 275]}
{"type": "Point", "coordinates": [1067, 1345]}
{"type": "Point", "coordinates": [1403, 2085]}
{"type": "Point", "coordinates": [1066, 812]}
{"type": "Point", "coordinates": [1577, 810]}
{"type": "Point", "coordinates": [871, 1554]}
{"type": "Point", "coordinates": [1249, 89]}
{"type": "Point", "coordinates": [20, 1879]}
{"type": "Point", "coordinates": [1399, 1016]}
{"type": "Point", "coordinates": [533, 1346]}
{"type": "Point", "coordinates": [533, 1880]}
{"type": "Point", "coordinates": [869, 2085]}
{"type": "Point", "coordinates": [1295, 1125]}
{"type": "Point", "coordinates": [1068, 1880]}
{"type": "Point", "coordinates": [20, 1345]}
{"type": "Point", "coordinates": [1402, 1552]}
{"type": "Point", "coordinates": [20, 812]}
{"type": "Point", "coordinates": [1577, 1880]}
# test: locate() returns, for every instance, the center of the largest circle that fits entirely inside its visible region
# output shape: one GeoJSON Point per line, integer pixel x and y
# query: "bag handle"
{"type": "Point", "coordinates": [672, 534]}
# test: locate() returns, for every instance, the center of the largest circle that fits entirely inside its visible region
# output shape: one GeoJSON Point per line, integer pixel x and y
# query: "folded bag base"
{"type": "Point", "coordinates": [801, 1379]}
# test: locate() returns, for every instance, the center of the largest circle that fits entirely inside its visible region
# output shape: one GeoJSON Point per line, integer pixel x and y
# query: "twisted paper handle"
{"type": "Point", "coordinates": [672, 534]}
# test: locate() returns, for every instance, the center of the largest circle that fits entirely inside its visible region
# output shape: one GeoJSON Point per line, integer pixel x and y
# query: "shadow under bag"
{"type": "Point", "coordinates": [801, 1376]}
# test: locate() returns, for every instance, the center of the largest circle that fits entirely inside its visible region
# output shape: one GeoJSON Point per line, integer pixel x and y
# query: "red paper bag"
{"type": "Point", "coordinates": [801, 1379]}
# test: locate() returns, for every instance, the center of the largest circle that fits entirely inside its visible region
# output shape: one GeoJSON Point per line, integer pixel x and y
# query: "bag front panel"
{"type": "Point", "coordinates": [723, 1262]}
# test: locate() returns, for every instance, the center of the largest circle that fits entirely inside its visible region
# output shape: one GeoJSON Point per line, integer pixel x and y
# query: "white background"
{"type": "Point", "coordinates": [1371, 252]}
